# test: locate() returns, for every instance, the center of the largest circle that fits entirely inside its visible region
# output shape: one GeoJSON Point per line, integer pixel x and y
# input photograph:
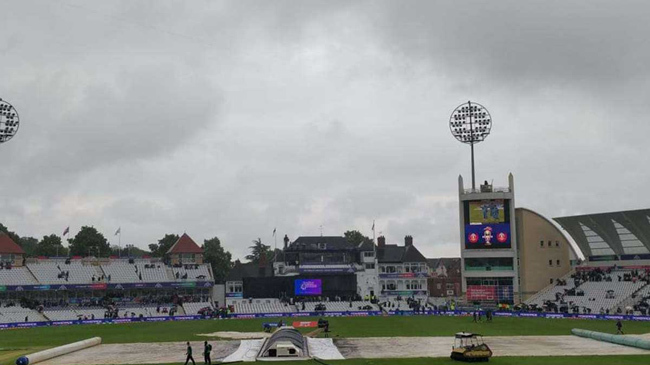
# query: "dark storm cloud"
{"type": "Point", "coordinates": [232, 118]}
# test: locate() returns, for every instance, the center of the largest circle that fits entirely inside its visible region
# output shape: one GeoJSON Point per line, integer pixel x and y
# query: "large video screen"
{"type": "Point", "coordinates": [308, 287]}
{"type": "Point", "coordinates": [487, 236]}
{"type": "Point", "coordinates": [487, 211]}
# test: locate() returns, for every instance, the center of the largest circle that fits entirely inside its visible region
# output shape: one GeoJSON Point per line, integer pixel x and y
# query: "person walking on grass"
{"type": "Point", "coordinates": [189, 354]}
{"type": "Point", "coordinates": [619, 327]}
{"type": "Point", "coordinates": [207, 348]}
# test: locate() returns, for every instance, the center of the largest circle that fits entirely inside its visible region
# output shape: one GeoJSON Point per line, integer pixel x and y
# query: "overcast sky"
{"type": "Point", "coordinates": [228, 119]}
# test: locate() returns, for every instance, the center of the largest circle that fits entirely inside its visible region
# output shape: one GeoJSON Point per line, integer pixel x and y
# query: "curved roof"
{"type": "Point", "coordinates": [551, 224]}
{"type": "Point", "coordinates": [614, 233]}
{"type": "Point", "coordinates": [285, 334]}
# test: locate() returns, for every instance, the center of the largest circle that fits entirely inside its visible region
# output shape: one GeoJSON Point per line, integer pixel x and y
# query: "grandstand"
{"type": "Point", "coordinates": [17, 276]}
{"type": "Point", "coordinates": [64, 272]}
{"type": "Point", "coordinates": [123, 271]}
{"type": "Point", "coordinates": [15, 314]}
{"type": "Point", "coordinates": [193, 308]}
{"type": "Point", "coordinates": [261, 305]}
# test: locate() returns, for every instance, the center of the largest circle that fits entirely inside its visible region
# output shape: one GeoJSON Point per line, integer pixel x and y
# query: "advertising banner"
{"type": "Point", "coordinates": [481, 292]}
{"type": "Point", "coordinates": [308, 287]}
{"type": "Point", "coordinates": [305, 324]}
{"type": "Point", "coordinates": [408, 275]}
{"type": "Point", "coordinates": [325, 270]}
{"type": "Point", "coordinates": [487, 236]}
{"type": "Point", "coordinates": [104, 286]}
{"type": "Point", "coordinates": [320, 314]}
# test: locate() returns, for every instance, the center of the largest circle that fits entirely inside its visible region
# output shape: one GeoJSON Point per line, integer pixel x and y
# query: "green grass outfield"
{"type": "Point", "coordinates": [544, 360]}
{"type": "Point", "coordinates": [393, 326]}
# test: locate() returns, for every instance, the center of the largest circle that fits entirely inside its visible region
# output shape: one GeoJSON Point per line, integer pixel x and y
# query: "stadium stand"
{"type": "Point", "coordinates": [561, 285]}
{"type": "Point", "coordinates": [339, 306]}
{"type": "Point", "coordinates": [261, 305]}
{"type": "Point", "coordinates": [17, 276]}
{"type": "Point", "coordinates": [17, 314]}
{"type": "Point", "coordinates": [60, 272]}
{"type": "Point", "coordinates": [592, 291]}
{"type": "Point", "coordinates": [121, 271]}
{"type": "Point", "coordinates": [194, 308]}
{"type": "Point", "coordinates": [192, 272]}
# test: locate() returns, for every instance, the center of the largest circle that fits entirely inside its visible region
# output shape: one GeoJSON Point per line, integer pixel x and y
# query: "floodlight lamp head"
{"type": "Point", "coordinates": [9, 121]}
{"type": "Point", "coordinates": [470, 123]}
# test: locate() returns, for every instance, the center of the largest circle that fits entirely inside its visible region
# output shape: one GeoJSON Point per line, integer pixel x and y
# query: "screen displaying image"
{"type": "Point", "coordinates": [487, 236]}
{"type": "Point", "coordinates": [487, 211]}
{"type": "Point", "coordinates": [308, 287]}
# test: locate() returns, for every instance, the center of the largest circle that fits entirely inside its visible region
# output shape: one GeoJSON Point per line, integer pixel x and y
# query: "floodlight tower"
{"type": "Point", "coordinates": [9, 121]}
{"type": "Point", "coordinates": [470, 123]}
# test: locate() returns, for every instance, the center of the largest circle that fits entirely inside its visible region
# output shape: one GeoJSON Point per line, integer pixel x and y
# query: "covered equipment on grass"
{"type": "Point", "coordinates": [470, 347]}
{"type": "Point", "coordinates": [285, 342]}
{"type": "Point", "coordinates": [608, 337]}
{"type": "Point", "coordinates": [58, 351]}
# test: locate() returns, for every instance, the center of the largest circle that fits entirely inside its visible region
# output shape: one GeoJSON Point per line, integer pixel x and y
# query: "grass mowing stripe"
{"type": "Point", "coordinates": [340, 326]}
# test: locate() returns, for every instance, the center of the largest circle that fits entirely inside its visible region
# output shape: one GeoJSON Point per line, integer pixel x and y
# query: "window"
{"type": "Point", "coordinates": [541, 244]}
{"type": "Point", "coordinates": [450, 286]}
{"type": "Point", "coordinates": [438, 286]}
{"type": "Point", "coordinates": [557, 243]}
{"type": "Point", "coordinates": [558, 262]}
{"type": "Point", "coordinates": [549, 243]}
{"type": "Point", "coordinates": [368, 254]}
{"type": "Point", "coordinates": [370, 266]}
{"type": "Point", "coordinates": [550, 262]}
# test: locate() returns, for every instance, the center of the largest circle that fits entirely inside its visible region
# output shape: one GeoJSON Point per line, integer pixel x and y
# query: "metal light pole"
{"type": "Point", "coordinates": [470, 123]}
{"type": "Point", "coordinates": [9, 121]}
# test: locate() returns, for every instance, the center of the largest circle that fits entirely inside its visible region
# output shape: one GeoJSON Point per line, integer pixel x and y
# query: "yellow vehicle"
{"type": "Point", "coordinates": [470, 347]}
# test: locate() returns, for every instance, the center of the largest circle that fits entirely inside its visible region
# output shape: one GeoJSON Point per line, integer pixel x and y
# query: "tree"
{"type": "Point", "coordinates": [89, 241]}
{"type": "Point", "coordinates": [356, 238]}
{"type": "Point", "coordinates": [164, 244]}
{"type": "Point", "coordinates": [51, 246]}
{"type": "Point", "coordinates": [258, 250]}
{"type": "Point", "coordinates": [28, 244]}
{"type": "Point", "coordinates": [128, 251]}
{"type": "Point", "coordinates": [218, 258]}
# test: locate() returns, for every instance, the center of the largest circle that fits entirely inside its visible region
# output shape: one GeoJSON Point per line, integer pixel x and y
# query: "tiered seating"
{"type": "Point", "coordinates": [60, 314]}
{"type": "Point", "coordinates": [194, 308]}
{"type": "Point", "coordinates": [549, 292]}
{"type": "Point", "coordinates": [69, 314]}
{"type": "Point", "coordinates": [193, 274]}
{"type": "Point", "coordinates": [597, 290]}
{"type": "Point", "coordinates": [265, 305]}
{"type": "Point", "coordinates": [393, 305]}
{"type": "Point", "coordinates": [338, 306]}
{"type": "Point", "coordinates": [47, 272]}
{"type": "Point", "coordinates": [17, 276]}
{"type": "Point", "coordinates": [18, 314]}
{"type": "Point", "coordinates": [121, 271]}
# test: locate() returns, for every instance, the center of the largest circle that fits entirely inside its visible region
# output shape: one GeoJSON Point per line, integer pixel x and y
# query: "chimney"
{"type": "Point", "coordinates": [408, 241]}
{"type": "Point", "coordinates": [381, 241]}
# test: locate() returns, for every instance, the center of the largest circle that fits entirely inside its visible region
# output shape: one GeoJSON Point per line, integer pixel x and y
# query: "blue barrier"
{"type": "Point", "coordinates": [324, 314]}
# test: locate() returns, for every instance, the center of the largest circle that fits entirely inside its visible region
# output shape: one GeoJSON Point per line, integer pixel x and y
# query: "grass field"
{"type": "Point", "coordinates": [550, 360]}
{"type": "Point", "coordinates": [18, 341]}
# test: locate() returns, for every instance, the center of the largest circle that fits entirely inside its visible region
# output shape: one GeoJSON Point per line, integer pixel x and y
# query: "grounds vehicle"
{"type": "Point", "coordinates": [470, 347]}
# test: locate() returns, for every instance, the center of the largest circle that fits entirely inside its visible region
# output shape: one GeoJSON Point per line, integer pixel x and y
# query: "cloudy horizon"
{"type": "Point", "coordinates": [232, 118]}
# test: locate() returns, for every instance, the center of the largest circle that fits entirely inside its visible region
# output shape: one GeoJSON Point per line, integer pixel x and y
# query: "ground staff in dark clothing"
{"type": "Point", "coordinates": [207, 348]}
{"type": "Point", "coordinates": [619, 327]}
{"type": "Point", "coordinates": [189, 355]}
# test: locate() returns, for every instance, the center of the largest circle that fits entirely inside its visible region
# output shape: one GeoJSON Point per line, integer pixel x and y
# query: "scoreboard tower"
{"type": "Point", "coordinates": [490, 261]}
